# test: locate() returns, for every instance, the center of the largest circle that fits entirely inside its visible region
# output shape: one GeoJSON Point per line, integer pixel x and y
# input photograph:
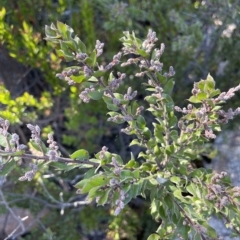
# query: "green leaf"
{"type": "Point", "coordinates": [104, 198]}
{"type": "Point", "coordinates": [61, 54]}
{"type": "Point", "coordinates": [64, 29]}
{"type": "Point", "coordinates": [161, 180]}
{"type": "Point", "coordinates": [81, 183]}
{"type": "Point", "coordinates": [126, 174]}
{"type": "Point", "coordinates": [110, 77]}
{"type": "Point", "coordinates": [194, 99]}
{"type": "Point", "coordinates": [95, 181]}
{"type": "Point", "coordinates": [146, 133]}
{"type": "Point", "coordinates": [131, 164]}
{"type": "Point", "coordinates": [154, 236]}
{"type": "Point", "coordinates": [93, 193]}
{"type": "Point", "coordinates": [172, 119]}
{"type": "Point", "coordinates": [168, 87]}
{"type": "Point", "coordinates": [78, 79]}
{"type": "Point", "coordinates": [66, 50]}
{"type": "Point", "coordinates": [209, 84]}
{"type": "Point", "coordinates": [3, 142]}
{"type": "Point", "coordinates": [146, 166]}
{"type": "Point", "coordinates": [89, 173]}
{"type": "Point", "coordinates": [80, 44]}
{"type": "Point", "coordinates": [50, 32]}
{"type": "Point", "coordinates": [141, 123]}
{"type": "Point", "coordinates": [134, 107]}
{"type": "Point", "coordinates": [135, 142]}
{"type": "Point", "coordinates": [38, 147]}
{"type": "Point", "coordinates": [71, 166]}
{"type": "Point", "coordinates": [201, 96]}
{"type": "Point", "coordinates": [175, 179]}
{"type": "Point", "coordinates": [162, 79]}
{"type": "Point", "coordinates": [107, 100]}
{"type": "Point", "coordinates": [214, 93]}
{"type": "Point", "coordinates": [59, 165]}
{"type": "Point", "coordinates": [92, 79]}
{"type": "Point", "coordinates": [96, 95]}
{"type": "Point", "coordinates": [174, 135]}
{"type": "Point", "coordinates": [151, 99]}
{"type": "Point", "coordinates": [7, 168]}
{"type": "Point", "coordinates": [158, 133]}
{"type": "Point", "coordinates": [99, 73]}
{"type": "Point", "coordinates": [112, 107]}
{"type": "Point", "coordinates": [136, 174]}
{"type": "Point", "coordinates": [142, 53]}
{"type": "Point", "coordinates": [81, 154]}
{"type": "Point", "coordinates": [91, 60]}
{"type": "Point", "coordinates": [133, 192]}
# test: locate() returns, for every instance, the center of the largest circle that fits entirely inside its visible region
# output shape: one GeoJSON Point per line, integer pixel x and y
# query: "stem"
{"type": "Point", "coordinates": [228, 220]}
{"type": "Point", "coordinates": [59, 159]}
{"type": "Point", "coordinates": [8, 143]}
{"type": "Point", "coordinates": [188, 218]}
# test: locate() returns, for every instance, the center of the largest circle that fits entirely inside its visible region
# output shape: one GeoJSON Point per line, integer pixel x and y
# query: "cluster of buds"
{"type": "Point", "coordinates": [159, 52]}
{"type": "Point", "coordinates": [119, 203]}
{"type": "Point", "coordinates": [156, 65]}
{"type": "Point", "coordinates": [216, 191]}
{"type": "Point", "coordinates": [102, 152]}
{"type": "Point", "coordinates": [115, 83]}
{"type": "Point", "coordinates": [84, 94]}
{"type": "Point", "coordinates": [29, 175]}
{"type": "Point", "coordinates": [139, 110]}
{"type": "Point", "coordinates": [141, 74]}
{"type": "Point", "coordinates": [202, 120]}
{"type": "Point", "coordinates": [115, 61]}
{"type": "Point", "coordinates": [218, 176]}
{"type": "Point", "coordinates": [117, 169]}
{"type": "Point", "coordinates": [184, 110]}
{"type": "Point", "coordinates": [143, 64]}
{"type": "Point", "coordinates": [222, 202]}
{"type": "Point", "coordinates": [236, 191]}
{"type": "Point", "coordinates": [126, 130]}
{"type": "Point", "coordinates": [127, 118]}
{"type": "Point", "coordinates": [35, 133]}
{"type": "Point", "coordinates": [116, 101]}
{"type": "Point", "coordinates": [129, 95]}
{"type": "Point", "coordinates": [130, 61]}
{"type": "Point", "coordinates": [227, 115]}
{"type": "Point", "coordinates": [99, 48]}
{"type": "Point", "coordinates": [208, 133]}
{"type": "Point", "coordinates": [15, 140]}
{"type": "Point", "coordinates": [87, 71]}
{"type": "Point", "coordinates": [151, 83]}
{"type": "Point", "coordinates": [52, 153]}
{"type": "Point", "coordinates": [224, 96]}
{"type": "Point", "coordinates": [4, 127]}
{"type": "Point", "coordinates": [149, 43]}
{"type": "Point", "coordinates": [171, 72]}
{"type": "Point", "coordinates": [195, 89]}
{"type": "Point", "coordinates": [65, 75]}
{"type": "Point", "coordinates": [158, 92]}
{"type": "Point", "coordinates": [115, 119]}
{"type": "Point", "coordinates": [81, 57]}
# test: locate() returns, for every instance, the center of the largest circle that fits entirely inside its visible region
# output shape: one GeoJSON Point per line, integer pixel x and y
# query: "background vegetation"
{"type": "Point", "coordinates": [200, 37]}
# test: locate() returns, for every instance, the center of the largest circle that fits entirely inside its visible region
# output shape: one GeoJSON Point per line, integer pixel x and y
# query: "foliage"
{"type": "Point", "coordinates": [182, 198]}
{"type": "Point", "coordinates": [201, 37]}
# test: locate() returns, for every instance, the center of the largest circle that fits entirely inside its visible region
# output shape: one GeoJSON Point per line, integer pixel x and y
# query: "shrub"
{"type": "Point", "coordinates": [182, 198]}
